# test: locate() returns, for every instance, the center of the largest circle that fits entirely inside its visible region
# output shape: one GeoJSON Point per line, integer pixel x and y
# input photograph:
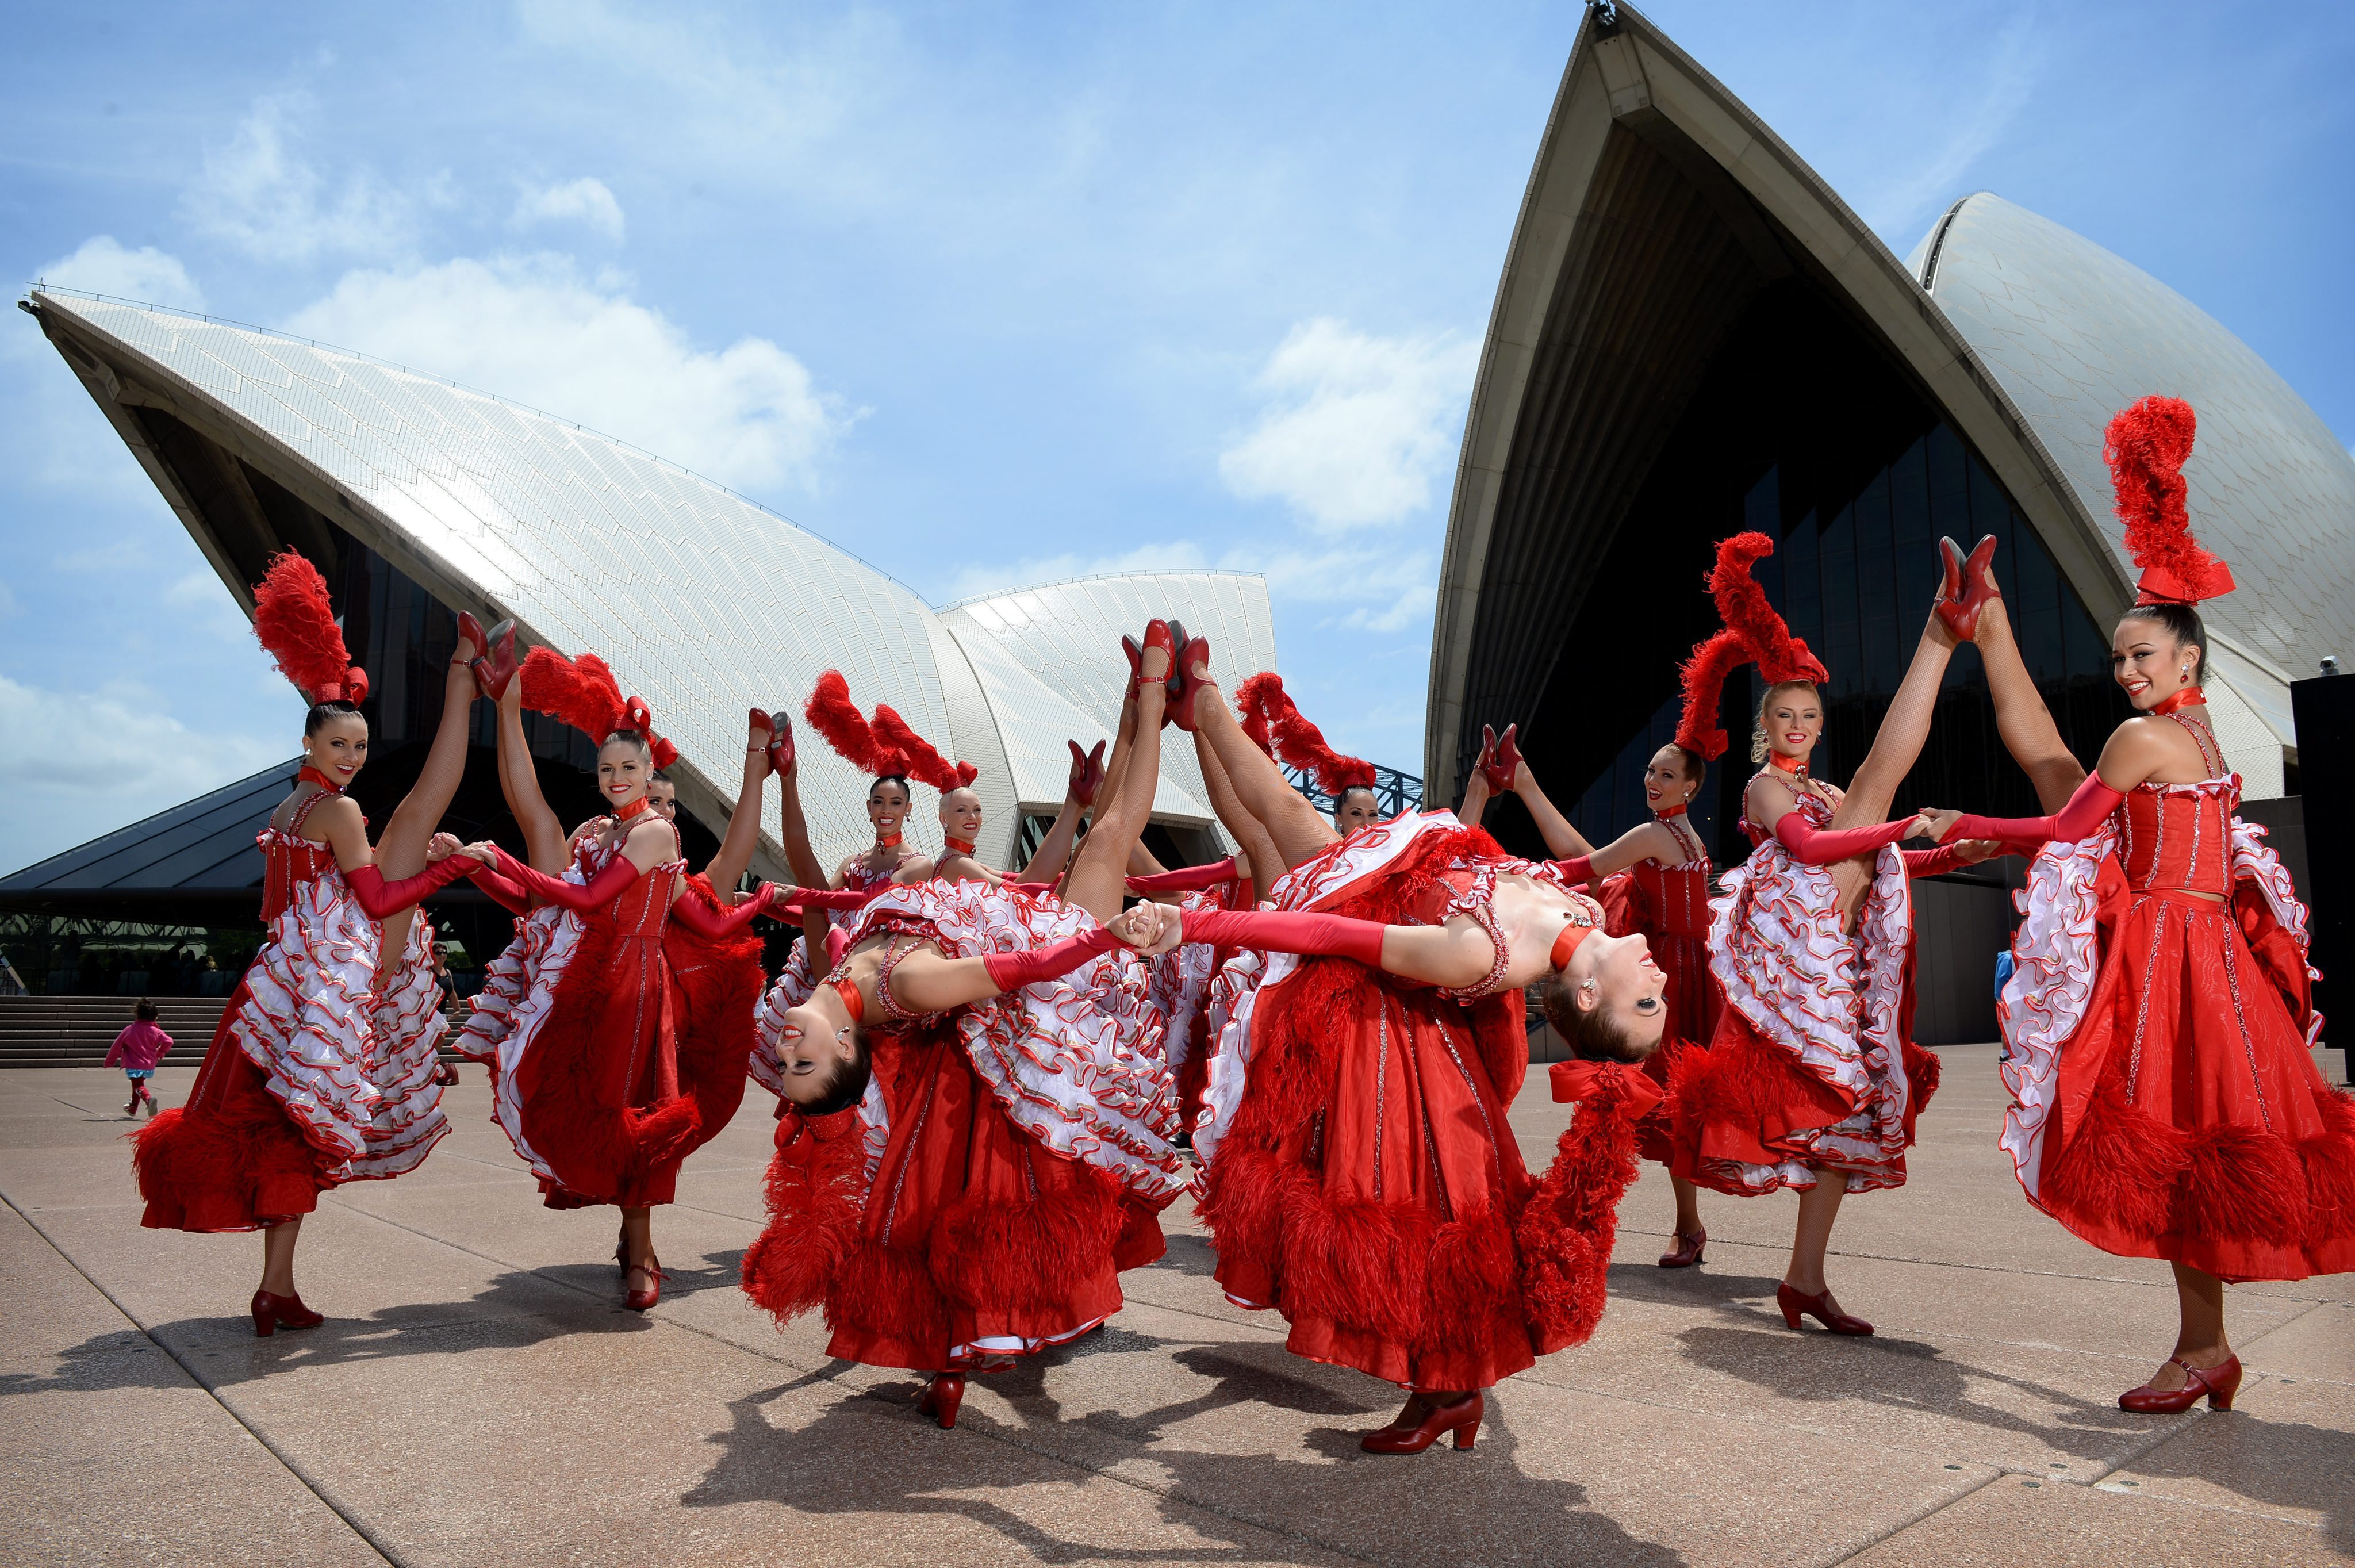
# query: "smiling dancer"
{"type": "Point", "coordinates": [625, 1050]}
{"type": "Point", "coordinates": [2158, 1022]}
{"type": "Point", "coordinates": [978, 1123]}
{"type": "Point", "coordinates": [1653, 880]}
{"type": "Point", "coordinates": [322, 1070]}
{"type": "Point", "coordinates": [1360, 1176]}
{"type": "Point", "coordinates": [1813, 1081]}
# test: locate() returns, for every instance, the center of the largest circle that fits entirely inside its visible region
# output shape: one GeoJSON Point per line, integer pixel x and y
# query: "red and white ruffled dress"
{"type": "Point", "coordinates": [1813, 1064]}
{"type": "Point", "coordinates": [794, 983]}
{"type": "Point", "coordinates": [1181, 987]}
{"type": "Point", "coordinates": [1669, 906]}
{"type": "Point", "coordinates": [1009, 1159]}
{"type": "Point", "coordinates": [615, 1037]}
{"type": "Point", "coordinates": [1361, 1177]}
{"type": "Point", "coordinates": [320, 1071]}
{"type": "Point", "coordinates": [2157, 1045]}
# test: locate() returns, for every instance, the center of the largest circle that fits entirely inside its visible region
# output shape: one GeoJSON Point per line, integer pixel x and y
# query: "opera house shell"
{"type": "Point", "coordinates": [417, 499]}
{"type": "Point", "coordinates": [1694, 335]}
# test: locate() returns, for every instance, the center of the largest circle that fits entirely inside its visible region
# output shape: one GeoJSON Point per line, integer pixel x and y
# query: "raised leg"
{"type": "Point", "coordinates": [2020, 715]}
{"type": "Point", "coordinates": [400, 849]}
{"type": "Point", "coordinates": [735, 856]}
{"type": "Point", "coordinates": [1100, 874]}
{"type": "Point", "coordinates": [546, 848]}
{"type": "Point", "coordinates": [1297, 828]}
{"type": "Point", "coordinates": [1248, 831]}
{"type": "Point", "coordinates": [1898, 743]}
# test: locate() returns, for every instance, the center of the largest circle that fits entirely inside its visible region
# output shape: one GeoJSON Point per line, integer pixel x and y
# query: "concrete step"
{"type": "Point", "coordinates": [78, 1032]}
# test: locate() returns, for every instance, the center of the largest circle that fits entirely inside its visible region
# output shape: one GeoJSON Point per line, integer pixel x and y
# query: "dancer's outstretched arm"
{"type": "Point", "coordinates": [547, 847]}
{"type": "Point", "coordinates": [1297, 828]}
{"type": "Point", "coordinates": [2020, 715]}
{"type": "Point", "coordinates": [1099, 877]}
{"type": "Point", "coordinates": [1249, 832]}
{"type": "Point", "coordinates": [735, 856]}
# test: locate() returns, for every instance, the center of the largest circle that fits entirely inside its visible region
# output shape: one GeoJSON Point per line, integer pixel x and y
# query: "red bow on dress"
{"type": "Point", "coordinates": [1586, 1080]}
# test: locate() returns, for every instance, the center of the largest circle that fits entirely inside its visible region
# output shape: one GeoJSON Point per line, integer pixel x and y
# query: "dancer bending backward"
{"type": "Point", "coordinates": [623, 1049]}
{"type": "Point", "coordinates": [1652, 879]}
{"type": "Point", "coordinates": [979, 1138]}
{"type": "Point", "coordinates": [322, 1070]}
{"type": "Point", "coordinates": [1360, 1176]}
{"type": "Point", "coordinates": [1792, 1093]}
{"type": "Point", "coordinates": [891, 750]}
{"type": "Point", "coordinates": [2158, 1022]}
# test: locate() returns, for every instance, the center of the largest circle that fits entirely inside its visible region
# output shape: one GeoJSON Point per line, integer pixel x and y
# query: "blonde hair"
{"type": "Point", "coordinates": [1759, 748]}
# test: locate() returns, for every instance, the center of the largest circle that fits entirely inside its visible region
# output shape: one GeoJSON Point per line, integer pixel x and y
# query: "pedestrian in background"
{"type": "Point", "coordinates": [140, 1046]}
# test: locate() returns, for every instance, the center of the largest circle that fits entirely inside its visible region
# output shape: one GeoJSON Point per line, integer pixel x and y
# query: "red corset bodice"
{"type": "Point", "coordinates": [858, 877]}
{"type": "Point", "coordinates": [645, 904]}
{"type": "Point", "coordinates": [289, 860]}
{"type": "Point", "coordinates": [1675, 898]}
{"type": "Point", "coordinates": [2178, 838]}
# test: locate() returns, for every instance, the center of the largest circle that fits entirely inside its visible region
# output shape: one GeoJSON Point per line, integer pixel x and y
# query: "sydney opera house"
{"type": "Point", "coordinates": [1694, 335]}
{"type": "Point", "coordinates": [417, 499]}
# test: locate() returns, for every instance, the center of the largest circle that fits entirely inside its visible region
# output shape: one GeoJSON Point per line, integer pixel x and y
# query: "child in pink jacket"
{"type": "Point", "coordinates": [139, 1048]}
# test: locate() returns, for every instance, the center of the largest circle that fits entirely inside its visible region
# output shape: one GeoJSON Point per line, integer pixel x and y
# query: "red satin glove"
{"type": "Point", "coordinates": [1011, 971]}
{"type": "Point", "coordinates": [1287, 931]}
{"type": "Point", "coordinates": [2093, 802]}
{"type": "Point", "coordinates": [1576, 869]}
{"type": "Point", "coordinates": [1184, 878]}
{"type": "Point", "coordinates": [1813, 846]}
{"type": "Point", "coordinates": [834, 898]}
{"type": "Point", "coordinates": [507, 894]}
{"type": "Point", "coordinates": [691, 910]}
{"type": "Point", "coordinates": [381, 899]}
{"type": "Point", "coordinates": [602, 889]}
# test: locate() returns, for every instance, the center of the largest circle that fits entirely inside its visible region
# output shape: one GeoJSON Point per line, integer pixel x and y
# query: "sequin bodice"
{"type": "Point", "coordinates": [1675, 898]}
{"type": "Point", "coordinates": [2178, 838]}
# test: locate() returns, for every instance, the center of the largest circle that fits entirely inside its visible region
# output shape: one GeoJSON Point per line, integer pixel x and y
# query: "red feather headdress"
{"type": "Point", "coordinates": [295, 621]}
{"type": "Point", "coordinates": [1297, 739]}
{"type": "Point", "coordinates": [1753, 633]}
{"type": "Point", "coordinates": [2145, 446]}
{"type": "Point", "coordinates": [583, 693]}
{"type": "Point", "coordinates": [890, 745]}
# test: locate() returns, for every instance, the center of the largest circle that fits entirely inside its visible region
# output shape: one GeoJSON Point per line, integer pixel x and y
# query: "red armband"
{"type": "Point", "coordinates": [1011, 971]}
{"type": "Point", "coordinates": [1287, 931]}
{"type": "Point", "coordinates": [600, 890]}
{"type": "Point", "coordinates": [2085, 811]}
{"type": "Point", "coordinates": [1815, 845]}
{"type": "Point", "coordinates": [503, 892]}
{"type": "Point", "coordinates": [1576, 869]}
{"type": "Point", "coordinates": [1184, 878]}
{"type": "Point", "coordinates": [691, 912]}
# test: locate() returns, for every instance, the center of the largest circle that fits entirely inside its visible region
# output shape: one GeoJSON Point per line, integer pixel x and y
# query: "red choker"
{"type": "Point", "coordinates": [890, 843]}
{"type": "Point", "coordinates": [852, 1003]}
{"type": "Point", "coordinates": [2190, 697]}
{"type": "Point", "coordinates": [959, 845]}
{"type": "Point", "coordinates": [1678, 810]}
{"type": "Point", "coordinates": [637, 807]}
{"type": "Point", "coordinates": [1777, 761]}
{"type": "Point", "coordinates": [1567, 944]}
{"type": "Point", "coordinates": [312, 775]}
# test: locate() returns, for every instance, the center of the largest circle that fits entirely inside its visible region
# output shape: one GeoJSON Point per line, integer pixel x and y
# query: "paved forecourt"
{"type": "Point", "coordinates": [478, 1396]}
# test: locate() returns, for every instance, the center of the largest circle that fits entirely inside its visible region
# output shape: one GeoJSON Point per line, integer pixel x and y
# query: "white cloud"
{"type": "Point", "coordinates": [533, 328]}
{"type": "Point", "coordinates": [103, 266]}
{"type": "Point", "coordinates": [89, 761]}
{"type": "Point", "coordinates": [583, 200]}
{"type": "Point", "coordinates": [1356, 425]}
{"type": "Point", "coordinates": [1976, 121]}
{"type": "Point", "coordinates": [259, 193]}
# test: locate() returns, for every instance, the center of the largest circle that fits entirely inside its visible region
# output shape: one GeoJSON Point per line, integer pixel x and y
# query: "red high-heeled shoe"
{"type": "Point", "coordinates": [642, 1301]}
{"type": "Point", "coordinates": [1821, 1307]}
{"type": "Point", "coordinates": [782, 751]}
{"type": "Point", "coordinates": [1159, 636]}
{"type": "Point", "coordinates": [942, 1397]}
{"type": "Point", "coordinates": [1463, 1418]}
{"type": "Point", "coordinates": [1686, 1252]}
{"type": "Point", "coordinates": [1193, 678]}
{"type": "Point", "coordinates": [1504, 764]}
{"type": "Point", "coordinates": [1087, 771]}
{"type": "Point", "coordinates": [1966, 586]}
{"type": "Point", "coordinates": [471, 631]}
{"type": "Point", "coordinates": [1135, 653]}
{"type": "Point", "coordinates": [495, 665]}
{"type": "Point", "coordinates": [271, 1313]}
{"type": "Point", "coordinates": [2218, 1384]}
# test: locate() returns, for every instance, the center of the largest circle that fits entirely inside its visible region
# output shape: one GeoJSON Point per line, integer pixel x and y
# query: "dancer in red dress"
{"type": "Point", "coordinates": [976, 1142]}
{"type": "Point", "coordinates": [1653, 878]}
{"type": "Point", "coordinates": [322, 1070]}
{"type": "Point", "coordinates": [1813, 1081]}
{"type": "Point", "coordinates": [2158, 1022]}
{"type": "Point", "coordinates": [625, 1051]}
{"type": "Point", "coordinates": [1360, 1175]}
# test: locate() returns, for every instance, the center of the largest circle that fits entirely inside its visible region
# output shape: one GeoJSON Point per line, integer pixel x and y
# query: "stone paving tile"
{"type": "Point", "coordinates": [2014, 1521]}
{"type": "Point", "coordinates": [2285, 1450]}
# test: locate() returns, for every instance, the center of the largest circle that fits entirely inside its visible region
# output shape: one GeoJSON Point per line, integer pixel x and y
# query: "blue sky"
{"type": "Point", "coordinates": [990, 293]}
